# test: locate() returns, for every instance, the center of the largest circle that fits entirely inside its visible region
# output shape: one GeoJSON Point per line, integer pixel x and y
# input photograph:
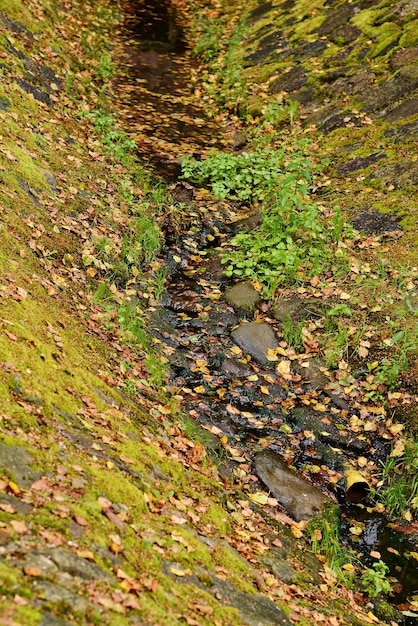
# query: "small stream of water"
{"type": "Point", "coordinates": [195, 321]}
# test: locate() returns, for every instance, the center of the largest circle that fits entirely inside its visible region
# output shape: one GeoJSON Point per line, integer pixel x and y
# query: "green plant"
{"type": "Point", "coordinates": [323, 532]}
{"type": "Point", "coordinates": [292, 332]}
{"type": "Point", "coordinates": [397, 488]}
{"type": "Point", "coordinates": [374, 579]}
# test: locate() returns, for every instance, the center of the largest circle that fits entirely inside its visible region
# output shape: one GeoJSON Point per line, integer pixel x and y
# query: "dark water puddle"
{"type": "Point", "coordinates": [156, 95]}
{"type": "Point", "coordinates": [194, 321]}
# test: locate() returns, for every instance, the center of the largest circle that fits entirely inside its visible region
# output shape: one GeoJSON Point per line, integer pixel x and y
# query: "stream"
{"type": "Point", "coordinates": [206, 325]}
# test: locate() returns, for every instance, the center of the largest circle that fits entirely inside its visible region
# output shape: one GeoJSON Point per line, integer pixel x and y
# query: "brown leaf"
{"type": "Point", "coordinates": [19, 526]}
{"type": "Point", "coordinates": [80, 520]}
{"type": "Point", "coordinates": [32, 571]}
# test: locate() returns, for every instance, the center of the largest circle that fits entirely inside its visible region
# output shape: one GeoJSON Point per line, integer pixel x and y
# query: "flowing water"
{"type": "Point", "coordinates": [159, 111]}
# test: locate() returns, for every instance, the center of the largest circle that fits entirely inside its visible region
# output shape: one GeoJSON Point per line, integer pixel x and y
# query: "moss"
{"type": "Point", "coordinates": [410, 35]}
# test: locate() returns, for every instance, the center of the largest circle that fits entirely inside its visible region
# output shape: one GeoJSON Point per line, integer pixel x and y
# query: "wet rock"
{"type": "Point", "coordinates": [406, 131]}
{"type": "Point", "coordinates": [49, 619]}
{"type": "Point", "coordinates": [243, 297]}
{"type": "Point", "coordinates": [261, 10]}
{"type": "Point", "coordinates": [360, 163]}
{"type": "Point", "coordinates": [374, 223]}
{"type": "Point", "coordinates": [297, 308]}
{"type": "Point", "coordinates": [347, 33]}
{"type": "Point", "coordinates": [404, 81]}
{"type": "Point", "coordinates": [280, 568]}
{"type": "Point", "coordinates": [4, 104]}
{"type": "Point", "coordinates": [213, 269]}
{"type": "Point", "coordinates": [56, 594]}
{"type": "Point", "coordinates": [219, 318]}
{"type": "Point", "coordinates": [338, 120]}
{"type": "Point", "coordinates": [398, 174]}
{"type": "Point", "coordinates": [37, 93]}
{"type": "Point", "coordinates": [292, 80]}
{"type": "Point", "coordinates": [74, 565]}
{"type": "Point", "coordinates": [41, 562]}
{"type": "Point", "coordinates": [16, 503]}
{"type": "Point", "coordinates": [404, 57]}
{"type": "Point", "coordinates": [314, 49]}
{"type": "Point", "coordinates": [50, 178]}
{"type": "Point", "coordinates": [16, 460]}
{"type": "Point", "coordinates": [312, 373]}
{"type": "Point", "coordinates": [253, 608]}
{"type": "Point", "coordinates": [256, 339]}
{"type": "Point", "coordinates": [235, 369]}
{"type": "Point", "coordinates": [335, 18]}
{"type": "Point", "coordinates": [300, 499]}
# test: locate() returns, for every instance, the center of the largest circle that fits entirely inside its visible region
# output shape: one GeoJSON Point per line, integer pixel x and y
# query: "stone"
{"type": "Point", "coordinates": [335, 18]}
{"type": "Point", "coordinates": [4, 104]}
{"type": "Point", "coordinates": [16, 460]}
{"type": "Point", "coordinates": [311, 372]}
{"type": "Point", "coordinates": [374, 223]}
{"type": "Point", "coordinates": [243, 297]}
{"type": "Point", "coordinates": [280, 568]}
{"type": "Point", "coordinates": [360, 163]}
{"type": "Point", "coordinates": [74, 565]}
{"type": "Point", "coordinates": [48, 619]}
{"type": "Point", "coordinates": [347, 33]}
{"type": "Point", "coordinates": [41, 562]}
{"type": "Point", "coordinates": [404, 57]}
{"type": "Point", "coordinates": [297, 308]}
{"type": "Point", "coordinates": [56, 594]}
{"type": "Point", "coordinates": [401, 84]}
{"type": "Point", "coordinates": [399, 174]}
{"type": "Point", "coordinates": [292, 80]}
{"type": "Point", "coordinates": [256, 339]}
{"type": "Point", "coordinates": [235, 369]}
{"type": "Point", "coordinates": [50, 178]}
{"type": "Point", "coordinates": [296, 495]}
{"type": "Point", "coordinates": [406, 131]}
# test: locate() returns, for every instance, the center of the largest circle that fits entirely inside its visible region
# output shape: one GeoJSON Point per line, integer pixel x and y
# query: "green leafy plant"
{"type": "Point", "coordinates": [374, 579]}
{"type": "Point", "coordinates": [398, 487]}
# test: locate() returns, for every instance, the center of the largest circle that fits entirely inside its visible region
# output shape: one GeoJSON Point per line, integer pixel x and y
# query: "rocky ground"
{"type": "Point", "coordinates": [116, 506]}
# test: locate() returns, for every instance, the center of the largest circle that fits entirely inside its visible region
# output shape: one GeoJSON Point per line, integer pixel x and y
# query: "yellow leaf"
{"type": "Point", "coordinates": [345, 296]}
{"type": "Point", "coordinates": [252, 378]}
{"type": "Point", "coordinates": [283, 368]}
{"type": "Point", "coordinates": [414, 555]}
{"type": "Point", "coordinates": [176, 258]}
{"type": "Point", "coordinates": [349, 567]}
{"type": "Point", "coordinates": [271, 355]}
{"type": "Point", "coordinates": [236, 350]}
{"type": "Point", "coordinates": [259, 497]}
{"type": "Point", "coordinates": [265, 390]}
{"type": "Point", "coordinates": [296, 532]}
{"type": "Point", "coordinates": [199, 389]}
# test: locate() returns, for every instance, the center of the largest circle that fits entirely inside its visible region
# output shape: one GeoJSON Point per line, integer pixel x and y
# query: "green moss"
{"type": "Point", "coordinates": [410, 35]}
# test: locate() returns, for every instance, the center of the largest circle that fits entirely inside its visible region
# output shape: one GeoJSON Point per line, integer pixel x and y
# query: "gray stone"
{"type": "Point", "coordinates": [56, 594]}
{"type": "Point", "coordinates": [75, 565]}
{"type": "Point", "coordinates": [406, 131]}
{"type": "Point", "coordinates": [16, 460]}
{"type": "Point", "coordinates": [300, 499]}
{"type": "Point", "coordinates": [236, 369]}
{"type": "Point", "coordinates": [41, 562]}
{"type": "Point", "coordinates": [256, 339]}
{"type": "Point", "coordinates": [375, 223]}
{"type": "Point", "coordinates": [243, 297]}
{"type": "Point", "coordinates": [397, 174]}
{"type": "Point", "coordinates": [49, 619]}
{"type": "Point", "coordinates": [336, 17]}
{"type": "Point", "coordinates": [50, 178]}
{"type": "Point", "coordinates": [294, 79]}
{"type": "Point", "coordinates": [4, 104]}
{"type": "Point", "coordinates": [401, 84]}
{"type": "Point", "coordinates": [404, 57]}
{"type": "Point", "coordinates": [312, 373]}
{"type": "Point", "coordinates": [19, 505]}
{"type": "Point", "coordinates": [360, 163]}
{"type": "Point", "coordinates": [280, 568]}
{"type": "Point", "coordinates": [297, 308]}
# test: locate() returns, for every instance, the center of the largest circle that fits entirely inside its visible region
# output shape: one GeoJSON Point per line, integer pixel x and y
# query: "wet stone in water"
{"type": "Point", "coordinates": [256, 339]}
{"type": "Point", "coordinates": [243, 297]}
{"type": "Point", "coordinates": [300, 499]}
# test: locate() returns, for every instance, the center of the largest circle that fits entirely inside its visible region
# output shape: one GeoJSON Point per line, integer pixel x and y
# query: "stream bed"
{"type": "Point", "coordinates": [260, 417]}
